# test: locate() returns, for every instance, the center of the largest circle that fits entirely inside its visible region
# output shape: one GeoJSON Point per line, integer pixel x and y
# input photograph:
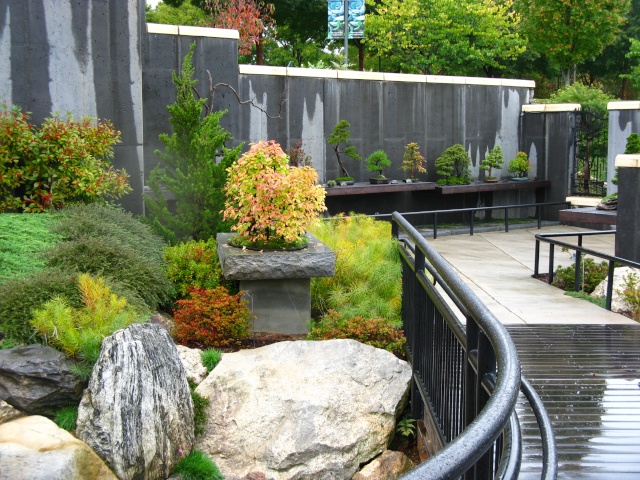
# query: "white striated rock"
{"type": "Point", "coordinates": [192, 363]}
{"type": "Point", "coordinates": [34, 448]}
{"type": "Point", "coordinates": [303, 410]}
{"type": "Point", "coordinates": [137, 413]}
{"type": "Point", "coordinates": [620, 276]}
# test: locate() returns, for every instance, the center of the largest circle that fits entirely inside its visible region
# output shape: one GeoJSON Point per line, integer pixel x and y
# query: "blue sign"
{"type": "Point", "coordinates": [355, 19]}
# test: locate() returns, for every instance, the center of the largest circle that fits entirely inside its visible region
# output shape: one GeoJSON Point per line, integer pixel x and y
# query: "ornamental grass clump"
{"type": "Point", "coordinates": [271, 203]}
{"type": "Point", "coordinates": [368, 274]}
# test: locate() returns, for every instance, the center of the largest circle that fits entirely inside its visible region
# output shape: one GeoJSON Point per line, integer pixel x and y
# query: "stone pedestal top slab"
{"type": "Point", "coordinates": [316, 260]}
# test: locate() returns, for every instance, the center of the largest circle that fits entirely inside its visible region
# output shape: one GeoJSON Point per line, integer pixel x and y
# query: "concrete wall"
{"type": "Point", "coordinates": [624, 119]}
{"type": "Point", "coordinates": [96, 58]}
{"type": "Point", "coordinates": [78, 57]}
{"type": "Point", "coordinates": [548, 137]}
{"type": "Point", "coordinates": [386, 111]}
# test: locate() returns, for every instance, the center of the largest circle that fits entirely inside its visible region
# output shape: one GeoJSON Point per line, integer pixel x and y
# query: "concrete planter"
{"type": "Point", "coordinates": [277, 284]}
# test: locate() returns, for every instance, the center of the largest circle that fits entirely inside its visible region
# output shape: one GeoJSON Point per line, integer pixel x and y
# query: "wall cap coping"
{"type": "Point", "coordinates": [628, 105]}
{"type": "Point", "coordinates": [311, 72]}
{"type": "Point", "coordinates": [192, 31]}
{"type": "Point", "coordinates": [382, 76]}
{"type": "Point", "coordinates": [628, 160]}
{"type": "Point", "coordinates": [551, 107]}
{"type": "Point", "coordinates": [584, 201]}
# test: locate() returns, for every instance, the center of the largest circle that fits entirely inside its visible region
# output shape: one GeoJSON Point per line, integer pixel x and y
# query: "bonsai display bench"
{"type": "Point", "coordinates": [589, 215]}
{"type": "Point", "coordinates": [277, 284]}
{"type": "Point", "coordinates": [361, 188]}
{"type": "Point", "coordinates": [492, 187]}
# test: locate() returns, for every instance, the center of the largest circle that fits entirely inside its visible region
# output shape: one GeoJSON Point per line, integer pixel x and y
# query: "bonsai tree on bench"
{"type": "Point", "coordinates": [494, 159]}
{"type": "Point", "coordinates": [341, 135]}
{"type": "Point", "coordinates": [454, 164]}
{"type": "Point", "coordinates": [413, 161]}
{"type": "Point", "coordinates": [376, 162]}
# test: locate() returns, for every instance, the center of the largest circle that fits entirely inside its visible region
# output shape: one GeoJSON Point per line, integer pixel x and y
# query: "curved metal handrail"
{"type": "Point", "coordinates": [463, 452]}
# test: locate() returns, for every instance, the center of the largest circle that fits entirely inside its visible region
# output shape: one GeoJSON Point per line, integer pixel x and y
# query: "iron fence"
{"type": "Point", "coordinates": [580, 251]}
{"type": "Point", "coordinates": [466, 375]}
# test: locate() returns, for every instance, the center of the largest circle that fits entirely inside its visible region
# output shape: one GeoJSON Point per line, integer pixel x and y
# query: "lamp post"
{"type": "Point", "coordinates": [346, 33]}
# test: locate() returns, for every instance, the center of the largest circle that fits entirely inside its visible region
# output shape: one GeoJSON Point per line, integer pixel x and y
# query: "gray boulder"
{"type": "Point", "coordinates": [37, 379]}
{"type": "Point", "coordinates": [302, 410]}
{"type": "Point", "coordinates": [34, 448]}
{"type": "Point", "coordinates": [137, 413]}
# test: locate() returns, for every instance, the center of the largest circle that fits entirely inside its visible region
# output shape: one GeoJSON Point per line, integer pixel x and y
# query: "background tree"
{"type": "Point", "coordinates": [570, 32]}
{"type": "Point", "coordinates": [444, 37]}
{"type": "Point", "coordinates": [169, 13]}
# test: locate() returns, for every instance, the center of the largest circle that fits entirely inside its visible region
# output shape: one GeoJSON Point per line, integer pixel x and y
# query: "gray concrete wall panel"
{"type": "Point", "coordinates": [82, 58]}
{"type": "Point", "coordinates": [622, 123]}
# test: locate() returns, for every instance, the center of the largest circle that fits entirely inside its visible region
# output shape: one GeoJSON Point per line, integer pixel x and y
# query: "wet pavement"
{"type": "Point", "coordinates": [583, 360]}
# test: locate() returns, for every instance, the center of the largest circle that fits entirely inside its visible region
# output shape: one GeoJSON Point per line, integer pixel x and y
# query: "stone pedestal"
{"type": "Point", "coordinates": [277, 284]}
{"type": "Point", "coordinates": [628, 225]}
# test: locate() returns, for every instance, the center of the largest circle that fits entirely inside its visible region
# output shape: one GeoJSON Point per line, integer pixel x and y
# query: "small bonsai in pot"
{"type": "Point", "coordinates": [413, 162]}
{"type": "Point", "coordinates": [271, 203]}
{"type": "Point", "coordinates": [520, 166]}
{"type": "Point", "coordinates": [494, 159]}
{"type": "Point", "coordinates": [376, 162]}
{"type": "Point", "coordinates": [339, 138]}
{"type": "Point", "coordinates": [454, 165]}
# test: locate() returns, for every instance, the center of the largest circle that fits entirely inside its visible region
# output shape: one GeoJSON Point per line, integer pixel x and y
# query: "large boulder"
{"type": "Point", "coordinates": [38, 379]}
{"type": "Point", "coordinates": [137, 413]}
{"type": "Point", "coordinates": [620, 276]}
{"type": "Point", "coordinates": [34, 448]}
{"type": "Point", "coordinates": [303, 410]}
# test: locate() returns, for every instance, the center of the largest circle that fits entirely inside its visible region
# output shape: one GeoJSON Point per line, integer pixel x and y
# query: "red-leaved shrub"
{"type": "Point", "coordinates": [211, 318]}
{"type": "Point", "coordinates": [377, 332]}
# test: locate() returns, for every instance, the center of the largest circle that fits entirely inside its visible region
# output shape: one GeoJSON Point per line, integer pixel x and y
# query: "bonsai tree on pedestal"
{"type": "Point", "coordinates": [270, 202]}
{"type": "Point", "coordinates": [494, 159]}
{"type": "Point", "coordinates": [341, 135]}
{"type": "Point", "coordinates": [520, 165]}
{"type": "Point", "coordinates": [413, 161]}
{"type": "Point", "coordinates": [454, 164]}
{"type": "Point", "coordinates": [376, 162]}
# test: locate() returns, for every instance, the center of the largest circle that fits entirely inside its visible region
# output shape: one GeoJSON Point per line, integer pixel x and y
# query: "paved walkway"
{"type": "Point", "coordinates": [498, 266]}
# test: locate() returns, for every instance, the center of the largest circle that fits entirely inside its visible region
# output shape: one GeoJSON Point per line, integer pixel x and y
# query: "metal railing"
{"type": "Point", "coordinates": [471, 211]}
{"type": "Point", "coordinates": [467, 377]}
{"type": "Point", "coordinates": [580, 251]}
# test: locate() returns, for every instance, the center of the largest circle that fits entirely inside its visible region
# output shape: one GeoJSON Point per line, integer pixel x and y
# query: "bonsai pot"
{"type": "Point", "coordinates": [379, 181]}
{"type": "Point", "coordinates": [520, 179]}
{"type": "Point", "coordinates": [491, 179]}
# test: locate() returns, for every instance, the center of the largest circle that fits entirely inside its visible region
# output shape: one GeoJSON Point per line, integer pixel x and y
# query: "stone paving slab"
{"type": "Point", "coordinates": [498, 266]}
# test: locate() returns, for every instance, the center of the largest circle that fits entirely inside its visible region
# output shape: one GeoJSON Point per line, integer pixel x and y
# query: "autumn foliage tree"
{"type": "Point", "coordinates": [271, 203]}
{"type": "Point", "coordinates": [249, 17]}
